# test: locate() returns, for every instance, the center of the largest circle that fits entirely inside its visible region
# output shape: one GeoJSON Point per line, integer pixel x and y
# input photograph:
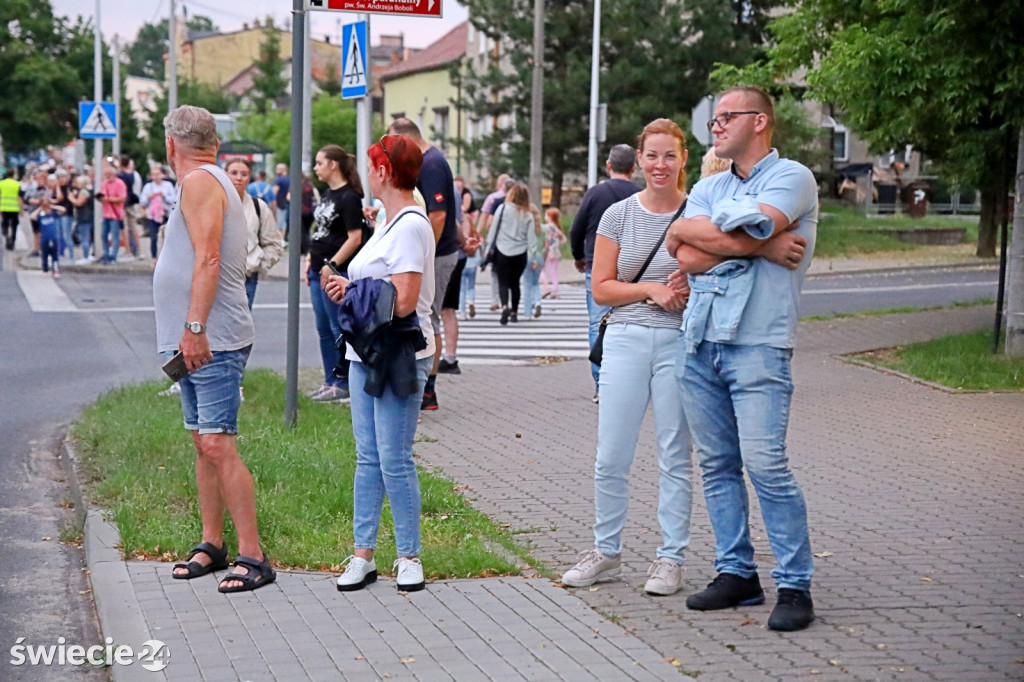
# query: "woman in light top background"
{"type": "Point", "coordinates": [513, 233]}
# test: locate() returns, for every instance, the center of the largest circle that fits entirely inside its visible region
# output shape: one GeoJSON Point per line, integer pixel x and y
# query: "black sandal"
{"type": "Point", "coordinates": [260, 573]}
{"type": "Point", "coordinates": [218, 561]}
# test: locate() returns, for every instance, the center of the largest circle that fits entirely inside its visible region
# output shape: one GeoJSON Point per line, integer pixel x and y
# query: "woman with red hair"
{"type": "Point", "coordinates": [402, 252]}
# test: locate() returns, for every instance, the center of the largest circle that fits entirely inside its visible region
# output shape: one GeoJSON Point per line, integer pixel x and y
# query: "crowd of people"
{"type": "Point", "coordinates": [692, 301]}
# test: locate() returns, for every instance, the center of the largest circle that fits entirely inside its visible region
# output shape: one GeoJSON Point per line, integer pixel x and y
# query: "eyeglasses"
{"type": "Point", "coordinates": [381, 143]}
{"type": "Point", "coordinates": [723, 118]}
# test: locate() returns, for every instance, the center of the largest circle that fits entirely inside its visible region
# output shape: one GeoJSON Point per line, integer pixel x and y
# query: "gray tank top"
{"type": "Point", "coordinates": [229, 326]}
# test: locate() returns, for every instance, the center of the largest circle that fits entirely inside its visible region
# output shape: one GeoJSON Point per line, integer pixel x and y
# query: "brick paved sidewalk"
{"type": "Point", "coordinates": [915, 504]}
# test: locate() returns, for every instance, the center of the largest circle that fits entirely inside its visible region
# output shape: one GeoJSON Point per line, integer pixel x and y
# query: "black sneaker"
{"type": "Point", "coordinates": [445, 367]}
{"type": "Point", "coordinates": [429, 400]}
{"type": "Point", "coordinates": [725, 591]}
{"type": "Point", "coordinates": [513, 316]}
{"type": "Point", "coordinates": [794, 610]}
{"type": "Point", "coordinates": [504, 316]}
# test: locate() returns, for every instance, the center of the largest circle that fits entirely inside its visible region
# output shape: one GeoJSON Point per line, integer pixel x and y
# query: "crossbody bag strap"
{"type": "Point", "coordinates": [657, 246]}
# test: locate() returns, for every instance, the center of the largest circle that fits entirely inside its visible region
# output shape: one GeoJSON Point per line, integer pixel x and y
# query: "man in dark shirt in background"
{"type": "Point", "coordinates": [621, 164]}
{"type": "Point", "coordinates": [437, 185]}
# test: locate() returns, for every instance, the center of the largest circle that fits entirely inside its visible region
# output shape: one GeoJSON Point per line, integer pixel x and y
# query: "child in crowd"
{"type": "Point", "coordinates": [554, 237]}
{"type": "Point", "coordinates": [47, 215]}
{"type": "Point", "coordinates": [534, 266]}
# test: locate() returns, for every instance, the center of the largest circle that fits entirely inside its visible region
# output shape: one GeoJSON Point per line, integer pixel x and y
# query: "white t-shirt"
{"type": "Point", "coordinates": [405, 244]}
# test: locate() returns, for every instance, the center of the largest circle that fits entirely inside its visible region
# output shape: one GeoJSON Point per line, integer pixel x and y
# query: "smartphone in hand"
{"type": "Point", "coordinates": [334, 268]}
{"type": "Point", "coordinates": [176, 368]}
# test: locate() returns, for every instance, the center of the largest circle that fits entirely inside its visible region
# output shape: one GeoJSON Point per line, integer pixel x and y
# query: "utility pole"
{"type": "Point", "coordinates": [595, 77]}
{"type": "Point", "coordinates": [307, 98]}
{"type": "Point", "coordinates": [291, 401]}
{"type": "Point", "coordinates": [537, 103]}
{"type": "Point", "coordinates": [116, 95]}
{"type": "Point", "coordinates": [1015, 272]}
{"type": "Point", "coordinates": [363, 113]}
{"type": "Point", "coordinates": [172, 61]}
{"type": "Point", "coordinates": [97, 156]}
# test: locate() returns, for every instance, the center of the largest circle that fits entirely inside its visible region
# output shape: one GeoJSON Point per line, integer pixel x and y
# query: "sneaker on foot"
{"type": "Point", "coordinates": [358, 574]}
{"type": "Point", "coordinates": [794, 610]}
{"type": "Point", "coordinates": [492, 308]}
{"type": "Point", "coordinates": [513, 316]}
{"type": "Point", "coordinates": [591, 567]}
{"type": "Point", "coordinates": [410, 574]}
{"type": "Point", "coordinates": [536, 310]}
{"type": "Point", "coordinates": [173, 390]}
{"type": "Point", "coordinates": [665, 577]}
{"type": "Point", "coordinates": [504, 316]}
{"type": "Point", "coordinates": [725, 591]}
{"type": "Point", "coordinates": [445, 367]}
{"type": "Point", "coordinates": [429, 400]}
{"type": "Point", "coordinates": [597, 397]}
{"type": "Point", "coordinates": [317, 391]}
{"type": "Point", "coordinates": [472, 310]}
{"type": "Point", "coordinates": [332, 394]}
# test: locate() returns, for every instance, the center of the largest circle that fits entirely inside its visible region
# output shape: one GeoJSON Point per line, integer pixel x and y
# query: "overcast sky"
{"type": "Point", "coordinates": [124, 17]}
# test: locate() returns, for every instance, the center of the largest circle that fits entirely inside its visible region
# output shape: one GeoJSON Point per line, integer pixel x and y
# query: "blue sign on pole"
{"type": "Point", "coordinates": [97, 122]}
{"type": "Point", "coordinates": [353, 60]}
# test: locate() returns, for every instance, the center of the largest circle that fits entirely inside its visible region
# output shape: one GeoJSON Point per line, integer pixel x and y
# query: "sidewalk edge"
{"type": "Point", "coordinates": [117, 606]}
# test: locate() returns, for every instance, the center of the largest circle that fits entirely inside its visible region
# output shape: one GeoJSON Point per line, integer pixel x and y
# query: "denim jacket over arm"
{"type": "Point", "coordinates": [756, 304]}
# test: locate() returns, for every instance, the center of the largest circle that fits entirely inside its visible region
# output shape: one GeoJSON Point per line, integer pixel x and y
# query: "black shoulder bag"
{"type": "Point", "coordinates": [597, 350]}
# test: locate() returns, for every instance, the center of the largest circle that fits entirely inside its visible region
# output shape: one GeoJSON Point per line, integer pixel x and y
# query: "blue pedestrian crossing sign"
{"type": "Point", "coordinates": [353, 60]}
{"type": "Point", "coordinates": [97, 122]}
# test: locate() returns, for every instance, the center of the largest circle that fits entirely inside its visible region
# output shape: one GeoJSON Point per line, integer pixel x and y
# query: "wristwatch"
{"type": "Point", "coordinates": [195, 327]}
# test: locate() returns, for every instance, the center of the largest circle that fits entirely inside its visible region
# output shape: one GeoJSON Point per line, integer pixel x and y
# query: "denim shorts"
{"type": "Point", "coordinates": [210, 397]}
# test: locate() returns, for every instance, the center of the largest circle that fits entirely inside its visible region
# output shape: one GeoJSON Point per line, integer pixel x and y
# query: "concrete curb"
{"type": "Point", "coordinates": [117, 606]}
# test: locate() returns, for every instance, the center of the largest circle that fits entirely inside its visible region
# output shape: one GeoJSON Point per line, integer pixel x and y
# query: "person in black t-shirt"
{"type": "Point", "coordinates": [339, 231]}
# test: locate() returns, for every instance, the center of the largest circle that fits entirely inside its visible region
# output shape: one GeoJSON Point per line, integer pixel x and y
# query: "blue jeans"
{"type": "Point", "coordinates": [467, 288]}
{"type": "Point", "coordinates": [642, 365]}
{"type": "Point", "coordinates": [325, 312]}
{"type": "Point", "coordinates": [737, 401]}
{"type": "Point", "coordinates": [595, 312]}
{"type": "Point", "coordinates": [250, 287]}
{"type": "Point", "coordinates": [384, 429]}
{"type": "Point", "coordinates": [531, 284]}
{"type": "Point", "coordinates": [153, 227]}
{"type": "Point", "coordinates": [65, 244]}
{"type": "Point", "coordinates": [111, 238]}
{"type": "Point", "coordinates": [85, 234]}
{"type": "Point", "coordinates": [209, 395]}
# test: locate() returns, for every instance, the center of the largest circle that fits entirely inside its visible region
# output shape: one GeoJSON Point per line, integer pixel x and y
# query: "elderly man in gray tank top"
{"type": "Point", "coordinates": [202, 311]}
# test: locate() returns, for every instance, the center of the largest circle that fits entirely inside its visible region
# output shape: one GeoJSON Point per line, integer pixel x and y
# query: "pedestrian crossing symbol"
{"type": "Point", "coordinates": [97, 122]}
{"type": "Point", "coordinates": [353, 65]}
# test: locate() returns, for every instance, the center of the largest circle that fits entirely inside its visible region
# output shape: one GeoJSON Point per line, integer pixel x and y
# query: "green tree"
{"type": "Point", "coordinates": [268, 83]}
{"type": "Point", "coordinates": [944, 76]}
{"type": "Point", "coordinates": [334, 122]}
{"type": "Point", "coordinates": [146, 53]}
{"type": "Point", "coordinates": [663, 73]}
{"type": "Point", "coordinates": [47, 67]}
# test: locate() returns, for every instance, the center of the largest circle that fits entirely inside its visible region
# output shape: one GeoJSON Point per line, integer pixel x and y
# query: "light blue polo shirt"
{"type": "Point", "coordinates": [770, 311]}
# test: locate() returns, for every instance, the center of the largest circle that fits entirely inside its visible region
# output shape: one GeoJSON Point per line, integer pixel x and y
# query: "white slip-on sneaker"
{"type": "Point", "coordinates": [409, 574]}
{"type": "Point", "coordinates": [358, 574]}
{"type": "Point", "coordinates": [665, 577]}
{"type": "Point", "coordinates": [591, 567]}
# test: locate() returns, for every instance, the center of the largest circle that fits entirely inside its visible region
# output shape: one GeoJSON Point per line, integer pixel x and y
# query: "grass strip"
{"type": "Point", "coordinates": [843, 231]}
{"type": "Point", "coordinates": [139, 464]}
{"type": "Point", "coordinates": [960, 361]}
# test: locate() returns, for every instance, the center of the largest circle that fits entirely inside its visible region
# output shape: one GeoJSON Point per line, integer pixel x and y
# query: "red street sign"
{"type": "Point", "coordinates": [417, 8]}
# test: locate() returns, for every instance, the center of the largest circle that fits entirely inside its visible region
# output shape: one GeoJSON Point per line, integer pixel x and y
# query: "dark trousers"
{"type": "Point", "coordinates": [509, 269]}
{"type": "Point", "coordinates": [10, 227]}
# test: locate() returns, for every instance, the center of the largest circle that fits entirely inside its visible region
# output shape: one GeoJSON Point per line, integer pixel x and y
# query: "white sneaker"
{"type": "Point", "coordinates": [665, 577]}
{"type": "Point", "coordinates": [332, 394]}
{"type": "Point", "coordinates": [410, 574]}
{"type": "Point", "coordinates": [358, 574]}
{"type": "Point", "coordinates": [173, 390]}
{"type": "Point", "coordinates": [591, 567]}
{"type": "Point", "coordinates": [317, 391]}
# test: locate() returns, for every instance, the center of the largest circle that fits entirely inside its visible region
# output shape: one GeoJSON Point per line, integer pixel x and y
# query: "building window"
{"type": "Point", "coordinates": [840, 143]}
{"type": "Point", "coordinates": [441, 131]}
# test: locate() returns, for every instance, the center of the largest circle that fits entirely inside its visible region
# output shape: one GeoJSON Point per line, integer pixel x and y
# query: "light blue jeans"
{"type": "Point", "coordinates": [384, 429]}
{"type": "Point", "coordinates": [531, 284]}
{"type": "Point", "coordinates": [66, 245]}
{"type": "Point", "coordinates": [467, 287]}
{"type": "Point", "coordinates": [642, 365]}
{"type": "Point", "coordinates": [737, 401]}
{"type": "Point", "coordinates": [328, 329]}
{"type": "Point", "coordinates": [595, 312]}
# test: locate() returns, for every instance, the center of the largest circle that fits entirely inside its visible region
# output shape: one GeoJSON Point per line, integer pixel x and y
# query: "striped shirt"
{"type": "Point", "coordinates": [637, 230]}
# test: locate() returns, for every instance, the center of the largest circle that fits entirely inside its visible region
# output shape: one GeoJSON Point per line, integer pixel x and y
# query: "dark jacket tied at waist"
{"type": "Point", "coordinates": [385, 344]}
